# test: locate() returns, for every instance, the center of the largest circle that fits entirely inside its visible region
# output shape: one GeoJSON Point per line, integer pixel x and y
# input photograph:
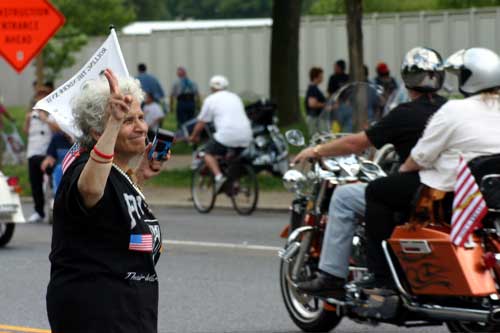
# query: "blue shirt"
{"type": "Point", "coordinates": [151, 86]}
{"type": "Point", "coordinates": [59, 146]}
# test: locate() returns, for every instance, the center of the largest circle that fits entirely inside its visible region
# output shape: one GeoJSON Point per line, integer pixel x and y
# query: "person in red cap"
{"type": "Point", "coordinates": [185, 94]}
{"type": "Point", "coordinates": [384, 80]}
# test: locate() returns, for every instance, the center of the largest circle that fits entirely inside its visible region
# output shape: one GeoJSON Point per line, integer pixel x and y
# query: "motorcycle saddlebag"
{"type": "Point", "coordinates": [434, 266]}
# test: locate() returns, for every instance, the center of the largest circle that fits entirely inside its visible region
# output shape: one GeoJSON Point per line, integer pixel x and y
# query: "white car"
{"type": "Point", "coordinates": [10, 207]}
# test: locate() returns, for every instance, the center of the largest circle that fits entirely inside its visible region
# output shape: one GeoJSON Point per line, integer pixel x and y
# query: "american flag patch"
{"type": "Point", "coordinates": [71, 156]}
{"type": "Point", "coordinates": [143, 243]}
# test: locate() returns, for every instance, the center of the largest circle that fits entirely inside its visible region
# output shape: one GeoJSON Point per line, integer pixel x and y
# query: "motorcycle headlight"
{"type": "Point", "coordinates": [260, 141]}
{"type": "Point", "coordinates": [294, 180]}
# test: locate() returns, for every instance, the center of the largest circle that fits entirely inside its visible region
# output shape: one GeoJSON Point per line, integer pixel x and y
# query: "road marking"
{"type": "Point", "coordinates": [23, 329]}
{"type": "Point", "coordinates": [242, 246]}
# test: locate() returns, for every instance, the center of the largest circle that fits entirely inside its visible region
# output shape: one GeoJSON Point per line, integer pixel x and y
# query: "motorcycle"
{"type": "Point", "coordinates": [436, 281]}
{"type": "Point", "coordinates": [10, 207]}
{"type": "Point", "coordinates": [268, 150]}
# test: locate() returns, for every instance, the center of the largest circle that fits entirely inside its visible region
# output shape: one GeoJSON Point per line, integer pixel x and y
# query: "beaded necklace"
{"type": "Point", "coordinates": [124, 174]}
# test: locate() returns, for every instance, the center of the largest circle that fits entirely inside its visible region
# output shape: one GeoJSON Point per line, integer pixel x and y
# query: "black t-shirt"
{"type": "Point", "coordinates": [313, 91]}
{"type": "Point", "coordinates": [404, 125]}
{"type": "Point", "coordinates": [336, 81]}
{"type": "Point", "coordinates": [103, 276]}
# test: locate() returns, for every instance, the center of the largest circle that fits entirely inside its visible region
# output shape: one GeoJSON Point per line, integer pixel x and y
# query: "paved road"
{"type": "Point", "coordinates": [220, 274]}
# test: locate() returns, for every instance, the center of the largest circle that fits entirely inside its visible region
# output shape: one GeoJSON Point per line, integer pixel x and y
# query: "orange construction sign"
{"type": "Point", "coordinates": [25, 27]}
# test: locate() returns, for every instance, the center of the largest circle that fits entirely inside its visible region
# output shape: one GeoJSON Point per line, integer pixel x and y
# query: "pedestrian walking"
{"type": "Point", "coordinates": [185, 94]}
{"type": "Point", "coordinates": [315, 102]}
{"type": "Point", "coordinates": [38, 127]}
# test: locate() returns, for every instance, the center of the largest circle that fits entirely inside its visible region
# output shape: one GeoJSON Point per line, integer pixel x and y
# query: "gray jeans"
{"type": "Point", "coordinates": [346, 207]}
{"type": "Point", "coordinates": [319, 124]}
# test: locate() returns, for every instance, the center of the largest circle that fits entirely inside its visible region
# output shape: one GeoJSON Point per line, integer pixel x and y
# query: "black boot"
{"type": "Point", "coordinates": [372, 281]}
{"type": "Point", "coordinates": [324, 285]}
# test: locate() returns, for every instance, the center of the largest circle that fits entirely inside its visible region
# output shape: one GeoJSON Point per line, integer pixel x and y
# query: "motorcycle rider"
{"type": "Point", "coordinates": [232, 126]}
{"type": "Point", "coordinates": [467, 128]}
{"type": "Point", "coordinates": [422, 74]}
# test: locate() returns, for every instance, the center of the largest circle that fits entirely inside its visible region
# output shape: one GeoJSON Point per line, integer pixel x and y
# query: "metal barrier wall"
{"type": "Point", "coordinates": [242, 54]}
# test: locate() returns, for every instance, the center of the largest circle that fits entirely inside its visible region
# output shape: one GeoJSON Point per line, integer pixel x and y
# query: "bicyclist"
{"type": "Point", "coordinates": [232, 126]}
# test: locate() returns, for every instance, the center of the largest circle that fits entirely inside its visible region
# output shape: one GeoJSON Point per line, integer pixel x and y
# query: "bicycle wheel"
{"type": "Point", "coordinates": [244, 191]}
{"type": "Point", "coordinates": [203, 189]}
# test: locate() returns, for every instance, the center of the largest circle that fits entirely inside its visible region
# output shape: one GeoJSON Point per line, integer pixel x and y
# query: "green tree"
{"type": "Point", "coordinates": [285, 59]}
{"type": "Point", "coordinates": [151, 10]}
{"type": "Point", "coordinates": [83, 18]}
{"type": "Point", "coordinates": [219, 9]}
{"type": "Point", "coordinates": [337, 7]}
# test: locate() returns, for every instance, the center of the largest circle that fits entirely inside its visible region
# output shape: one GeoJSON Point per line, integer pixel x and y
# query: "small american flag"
{"type": "Point", "coordinates": [71, 156]}
{"type": "Point", "coordinates": [469, 207]}
{"type": "Point", "coordinates": [143, 243]}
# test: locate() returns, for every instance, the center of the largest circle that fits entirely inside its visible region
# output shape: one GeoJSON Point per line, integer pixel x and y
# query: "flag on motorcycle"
{"type": "Point", "coordinates": [469, 207]}
{"type": "Point", "coordinates": [58, 103]}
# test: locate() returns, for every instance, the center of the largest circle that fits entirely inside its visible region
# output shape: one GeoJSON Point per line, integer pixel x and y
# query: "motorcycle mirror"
{"type": "Point", "coordinates": [295, 137]}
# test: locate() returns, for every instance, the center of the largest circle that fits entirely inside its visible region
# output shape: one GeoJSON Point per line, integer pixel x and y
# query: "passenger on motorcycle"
{"type": "Point", "coordinates": [402, 127]}
{"type": "Point", "coordinates": [467, 128]}
{"type": "Point", "coordinates": [232, 126]}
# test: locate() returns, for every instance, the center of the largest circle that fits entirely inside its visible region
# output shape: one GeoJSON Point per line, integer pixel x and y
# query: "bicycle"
{"type": "Point", "coordinates": [241, 184]}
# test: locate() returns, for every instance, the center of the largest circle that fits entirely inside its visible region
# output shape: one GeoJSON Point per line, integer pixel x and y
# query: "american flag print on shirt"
{"type": "Point", "coordinates": [71, 156]}
{"type": "Point", "coordinates": [469, 207]}
{"type": "Point", "coordinates": [139, 242]}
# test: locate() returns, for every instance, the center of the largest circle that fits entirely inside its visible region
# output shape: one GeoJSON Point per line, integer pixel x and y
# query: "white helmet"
{"type": "Point", "coordinates": [422, 70]}
{"type": "Point", "coordinates": [477, 68]}
{"type": "Point", "coordinates": [218, 82]}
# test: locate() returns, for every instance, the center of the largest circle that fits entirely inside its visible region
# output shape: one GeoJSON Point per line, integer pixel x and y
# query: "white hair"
{"type": "Point", "coordinates": [89, 107]}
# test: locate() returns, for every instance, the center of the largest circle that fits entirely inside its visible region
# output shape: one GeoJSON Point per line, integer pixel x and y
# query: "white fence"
{"type": "Point", "coordinates": [242, 53]}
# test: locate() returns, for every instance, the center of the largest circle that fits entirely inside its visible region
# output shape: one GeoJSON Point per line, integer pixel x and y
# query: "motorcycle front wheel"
{"type": "Point", "coordinates": [203, 189]}
{"type": "Point", "coordinates": [6, 232]}
{"type": "Point", "coordinates": [307, 312]}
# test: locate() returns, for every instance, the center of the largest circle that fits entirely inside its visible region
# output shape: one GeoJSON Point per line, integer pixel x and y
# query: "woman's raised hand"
{"type": "Point", "coordinates": [118, 104]}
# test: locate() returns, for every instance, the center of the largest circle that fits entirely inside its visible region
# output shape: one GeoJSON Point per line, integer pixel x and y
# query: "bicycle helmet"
{"type": "Point", "coordinates": [477, 68]}
{"type": "Point", "coordinates": [422, 70]}
{"type": "Point", "coordinates": [218, 82]}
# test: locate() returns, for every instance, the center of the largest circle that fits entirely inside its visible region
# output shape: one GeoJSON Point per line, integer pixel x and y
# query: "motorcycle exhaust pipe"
{"type": "Point", "coordinates": [436, 312]}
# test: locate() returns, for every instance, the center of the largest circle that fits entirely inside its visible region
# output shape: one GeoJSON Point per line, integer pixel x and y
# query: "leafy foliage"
{"type": "Point", "coordinates": [83, 18]}
{"type": "Point", "coordinates": [217, 9]}
{"type": "Point", "coordinates": [151, 10]}
{"type": "Point", "coordinates": [322, 7]}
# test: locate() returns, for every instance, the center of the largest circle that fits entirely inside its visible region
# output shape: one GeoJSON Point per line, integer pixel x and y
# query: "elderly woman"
{"type": "Point", "coordinates": [106, 241]}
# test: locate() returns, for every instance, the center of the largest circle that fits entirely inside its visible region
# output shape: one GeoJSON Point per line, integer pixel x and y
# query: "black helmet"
{"type": "Point", "coordinates": [422, 70]}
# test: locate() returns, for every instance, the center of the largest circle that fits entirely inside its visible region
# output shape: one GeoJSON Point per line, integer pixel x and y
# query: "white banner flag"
{"type": "Point", "coordinates": [59, 102]}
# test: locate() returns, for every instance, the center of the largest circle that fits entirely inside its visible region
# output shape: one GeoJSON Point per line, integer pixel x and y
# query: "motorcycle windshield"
{"type": "Point", "coordinates": [355, 106]}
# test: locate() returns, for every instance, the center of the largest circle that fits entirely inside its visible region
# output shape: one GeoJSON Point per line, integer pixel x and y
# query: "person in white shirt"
{"type": "Point", "coordinates": [39, 126]}
{"type": "Point", "coordinates": [232, 126]}
{"type": "Point", "coordinates": [467, 128]}
{"type": "Point", "coordinates": [153, 114]}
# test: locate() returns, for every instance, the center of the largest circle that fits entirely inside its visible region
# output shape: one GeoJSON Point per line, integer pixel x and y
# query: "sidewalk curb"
{"type": "Point", "coordinates": [269, 208]}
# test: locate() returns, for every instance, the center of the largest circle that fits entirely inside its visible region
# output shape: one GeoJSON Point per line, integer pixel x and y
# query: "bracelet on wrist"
{"type": "Point", "coordinates": [100, 161]}
{"type": "Point", "coordinates": [101, 154]}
